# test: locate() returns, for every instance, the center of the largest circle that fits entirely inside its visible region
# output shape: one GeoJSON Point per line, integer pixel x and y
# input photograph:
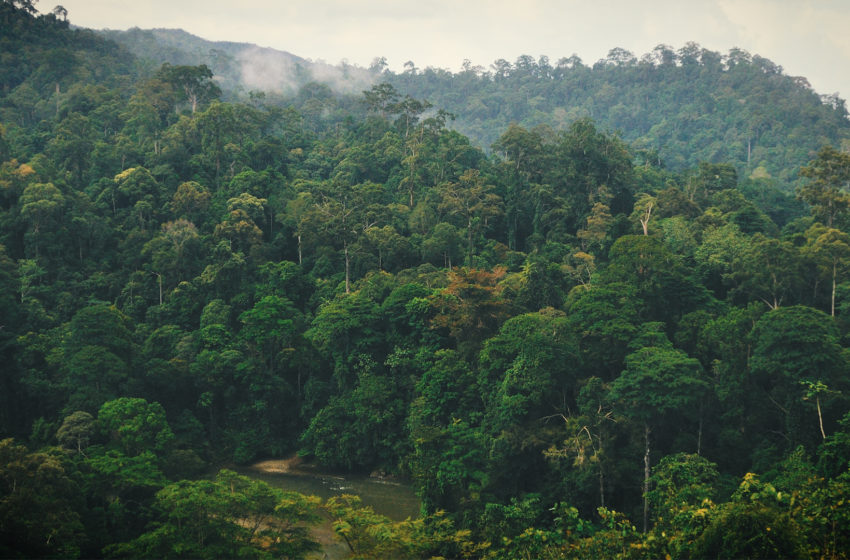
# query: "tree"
{"type": "Point", "coordinates": [658, 381]}
{"type": "Point", "coordinates": [473, 200]}
{"type": "Point", "coordinates": [136, 187]}
{"type": "Point", "coordinates": [134, 425]}
{"type": "Point", "coordinates": [369, 535]}
{"type": "Point", "coordinates": [342, 216]}
{"type": "Point", "coordinates": [361, 428]}
{"type": "Point", "coordinates": [755, 523]}
{"type": "Point", "coordinates": [296, 216]}
{"type": "Point", "coordinates": [795, 345]}
{"type": "Point", "coordinates": [73, 141]}
{"type": "Point", "coordinates": [683, 490]}
{"type": "Point", "coordinates": [815, 390]}
{"type": "Point", "coordinates": [831, 248]}
{"type": "Point", "coordinates": [271, 385]}
{"type": "Point", "coordinates": [382, 98]}
{"type": "Point", "coordinates": [471, 307]}
{"type": "Point", "coordinates": [60, 11]}
{"type": "Point", "coordinates": [39, 515]}
{"type": "Point", "coordinates": [665, 286]}
{"type": "Point", "coordinates": [594, 234]}
{"type": "Point", "coordinates": [388, 242]}
{"type": "Point", "coordinates": [190, 200]}
{"type": "Point", "coordinates": [41, 203]}
{"type": "Point", "coordinates": [829, 176]}
{"type": "Point", "coordinates": [522, 151]}
{"type": "Point", "coordinates": [718, 258]}
{"type": "Point", "coordinates": [443, 246]}
{"type": "Point", "coordinates": [76, 431]}
{"type": "Point", "coordinates": [195, 82]}
{"type": "Point", "coordinates": [606, 317]}
{"type": "Point", "coordinates": [532, 365]}
{"type": "Point", "coordinates": [240, 224]}
{"type": "Point", "coordinates": [450, 465]}
{"type": "Point", "coordinates": [768, 270]}
{"type": "Point", "coordinates": [231, 516]}
{"type": "Point", "coordinates": [643, 210]}
{"type": "Point", "coordinates": [447, 390]}
{"type": "Point", "coordinates": [710, 178]}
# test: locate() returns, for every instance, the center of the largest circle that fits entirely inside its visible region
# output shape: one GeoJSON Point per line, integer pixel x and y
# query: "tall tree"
{"type": "Point", "coordinates": [831, 249]}
{"type": "Point", "coordinates": [474, 201]}
{"type": "Point", "coordinates": [659, 382]}
{"type": "Point", "coordinates": [826, 191]}
{"type": "Point", "coordinates": [195, 82]}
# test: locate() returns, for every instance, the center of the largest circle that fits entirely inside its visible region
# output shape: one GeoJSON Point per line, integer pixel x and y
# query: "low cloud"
{"type": "Point", "coordinates": [273, 71]}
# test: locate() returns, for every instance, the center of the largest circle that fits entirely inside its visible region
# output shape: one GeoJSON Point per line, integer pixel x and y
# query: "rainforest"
{"type": "Point", "coordinates": [583, 310]}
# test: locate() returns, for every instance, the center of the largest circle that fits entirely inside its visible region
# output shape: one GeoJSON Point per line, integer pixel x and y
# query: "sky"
{"type": "Point", "coordinates": [807, 38]}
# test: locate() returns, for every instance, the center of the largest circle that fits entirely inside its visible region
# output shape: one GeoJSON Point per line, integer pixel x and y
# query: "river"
{"type": "Point", "coordinates": [391, 498]}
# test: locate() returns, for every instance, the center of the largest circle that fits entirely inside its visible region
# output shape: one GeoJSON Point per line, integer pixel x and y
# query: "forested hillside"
{"type": "Point", "coordinates": [240, 69]}
{"type": "Point", "coordinates": [570, 348]}
{"type": "Point", "coordinates": [684, 106]}
{"type": "Point", "coordinates": [680, 106]}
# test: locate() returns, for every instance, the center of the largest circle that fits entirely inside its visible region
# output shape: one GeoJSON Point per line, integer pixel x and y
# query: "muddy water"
{"type": "Point", "coordinates": [391, 498]}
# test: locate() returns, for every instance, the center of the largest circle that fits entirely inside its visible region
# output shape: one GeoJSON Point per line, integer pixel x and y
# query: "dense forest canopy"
{"type": "Point", "coordinates": [572, 348]}
{"type": "Point", "coordinates": [682, 106]}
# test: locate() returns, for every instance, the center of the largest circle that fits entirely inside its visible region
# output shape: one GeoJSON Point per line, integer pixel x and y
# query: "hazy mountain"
{"type": "Point", "coordinates": [684, 106]}
{"type": "Point", "coordinates": [239, 67]}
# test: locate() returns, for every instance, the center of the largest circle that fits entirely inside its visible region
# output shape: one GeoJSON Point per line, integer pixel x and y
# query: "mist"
{"type": "Point", "coordinates": [272, 71]}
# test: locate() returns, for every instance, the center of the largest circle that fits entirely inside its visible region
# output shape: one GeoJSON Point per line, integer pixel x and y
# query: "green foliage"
{"type": "Point", "coordinates": [692, 80]}
{"type": "Point", "coordinates": [448, 390]}
{"type": "Point", "coordinates": [372, 536]}
{"type": "Point", "coordinates": [659, 380]}
{"type": "Point", "coordinates": [793, 345]}
{"type": "Point", "coordinates": [683, 490]}
{"type": "Point", "coordinates": [754, 524]}
{"type": "Point", "coordinates": [231, 516]}
{"type": "Point", "coordinates": [450, 465]}
{"type": "Point", "coordinates": [39, 510]}
{"type": "Point", "coordinates": [135, 426]}
{"type": "Point", "coordinates": [361, 429]}
{"type": "Point", "coordinates": [532, 364]}
{"type": "Point", "coordinates": [76, 431]}
{"type": "Point", "coordinates": [222, 280]}
{"type": "Point", "coordinates": [828, 174]}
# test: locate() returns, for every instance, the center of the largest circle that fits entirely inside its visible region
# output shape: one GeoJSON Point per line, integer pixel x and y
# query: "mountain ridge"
{"type": "Point", "coordinates": [686, 105]}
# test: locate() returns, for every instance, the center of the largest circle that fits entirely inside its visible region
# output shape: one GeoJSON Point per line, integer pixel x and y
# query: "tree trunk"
{"type": "Point", "coordinates": [469, 241]}
{"type": "Point", "coordinates": [833, 289]}
{"type": "Point", "coordinates": [347, 283]}
{"type": "Point", "coordinates": [159, 277]}
{"type": "Point", "coordinates": [644, 222]}
{"type": "Point", "coordinates": [646, 478]}
{"type": "Point", "coordinates": [699, 434]}
{"type": "Point", "coordinates": [820, 418]}
{"type": "Point", "coordinates": [601, 487]}
{"type": "Point", "coordinates": [299, 248]}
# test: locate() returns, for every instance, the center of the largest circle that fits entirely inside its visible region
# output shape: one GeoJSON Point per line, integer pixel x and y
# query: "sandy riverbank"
{"type": "Point", "coordinates": [294, 465]}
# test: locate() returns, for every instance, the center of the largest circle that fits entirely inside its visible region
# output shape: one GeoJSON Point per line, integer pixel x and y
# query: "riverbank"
{"type": "Point", "coordinates": [387, 496]}
{"type": "Point", "coordinates": [292, 465]}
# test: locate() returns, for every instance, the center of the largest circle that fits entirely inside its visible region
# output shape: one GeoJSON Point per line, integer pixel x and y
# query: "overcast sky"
{"type": "Point", "coordinates": [808, 38]}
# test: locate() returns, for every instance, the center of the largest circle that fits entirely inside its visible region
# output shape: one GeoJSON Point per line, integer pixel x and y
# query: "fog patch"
{"type": "Point", "coordinates": [343, 78]}
{"type": "Point", "coordinates": [268, 70]}
{"type": "Point", "coordinates": [273, 71]}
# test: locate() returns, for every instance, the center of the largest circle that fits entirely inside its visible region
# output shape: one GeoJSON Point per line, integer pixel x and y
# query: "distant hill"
{"type": "Point", "coordinates": [680, 106]}
{"type": "Point", "coordinates": [44, 55]}
{"type": "Point", "coordinates": [240, 68]}
{"type": "Point", "coordinates": [683, 106]}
